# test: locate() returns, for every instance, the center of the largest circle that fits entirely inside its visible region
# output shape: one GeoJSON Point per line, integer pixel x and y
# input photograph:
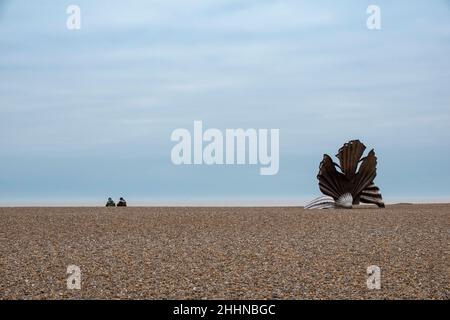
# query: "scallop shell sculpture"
{"type": "Point", "coordinates": [323, 202]}
{"type": "Point", "coordinates": [349, 182]}
{"type": "Point", "coordinates": [345, 201]}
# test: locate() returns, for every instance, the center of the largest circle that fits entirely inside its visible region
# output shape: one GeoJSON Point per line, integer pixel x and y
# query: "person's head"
{"type": "Point", "coordinates": [109, 199]}
{"type": "Point", "coordinates": [122, 199]}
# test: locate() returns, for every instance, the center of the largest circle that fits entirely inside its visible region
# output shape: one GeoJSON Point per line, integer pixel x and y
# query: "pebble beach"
{"type": "Point", "coordinates": [225, 252]}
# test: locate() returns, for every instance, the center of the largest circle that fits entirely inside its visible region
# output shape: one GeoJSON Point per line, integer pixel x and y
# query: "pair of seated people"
{"type": "Point", "coordinates": [121, 203]}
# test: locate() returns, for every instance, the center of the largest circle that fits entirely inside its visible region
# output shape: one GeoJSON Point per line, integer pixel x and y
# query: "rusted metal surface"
{"type": "Point", "coordinates": [354, 174]}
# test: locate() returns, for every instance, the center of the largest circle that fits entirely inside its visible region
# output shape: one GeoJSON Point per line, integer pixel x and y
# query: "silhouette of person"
{"type": "Point", "coordinates": [122, 202]}
{"type": "Point", "coordinates": [110, 203]}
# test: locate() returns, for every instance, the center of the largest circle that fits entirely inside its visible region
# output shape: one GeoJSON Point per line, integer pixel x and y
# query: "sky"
{"type": "Point", "coordinates": [86, 114]}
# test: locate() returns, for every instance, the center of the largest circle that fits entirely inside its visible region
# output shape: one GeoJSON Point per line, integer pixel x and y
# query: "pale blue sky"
{"type": "Point", "coordinates": [88, 114]}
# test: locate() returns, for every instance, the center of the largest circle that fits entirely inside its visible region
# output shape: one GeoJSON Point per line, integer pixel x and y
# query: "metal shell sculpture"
{"type": "Point", "coordinates": [352, 183]}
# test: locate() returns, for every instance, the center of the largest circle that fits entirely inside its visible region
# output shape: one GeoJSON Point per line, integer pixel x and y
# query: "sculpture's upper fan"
{"type": "Point", "coordinates": [358, 182]}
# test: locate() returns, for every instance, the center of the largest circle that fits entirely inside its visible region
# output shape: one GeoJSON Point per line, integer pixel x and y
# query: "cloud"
{"type": "Point", "coordinates": [137, 70]}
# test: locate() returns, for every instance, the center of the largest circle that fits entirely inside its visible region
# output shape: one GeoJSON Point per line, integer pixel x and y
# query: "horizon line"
{"type": "Point", "coordinates": [206, 203]}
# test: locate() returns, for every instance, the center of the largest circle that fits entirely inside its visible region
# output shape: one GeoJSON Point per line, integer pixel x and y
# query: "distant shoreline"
{"type": "Point", "coordinates": [205, 204]}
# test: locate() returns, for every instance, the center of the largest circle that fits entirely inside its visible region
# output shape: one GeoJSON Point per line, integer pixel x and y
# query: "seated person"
{"type": "Point", "coordinates": [122, 202]}
{"type": "Point", "coordinates": [110, 203]}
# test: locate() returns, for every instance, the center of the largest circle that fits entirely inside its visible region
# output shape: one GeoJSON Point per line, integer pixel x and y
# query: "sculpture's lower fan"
{"type": "Point", "coordinates": [352, 183]}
